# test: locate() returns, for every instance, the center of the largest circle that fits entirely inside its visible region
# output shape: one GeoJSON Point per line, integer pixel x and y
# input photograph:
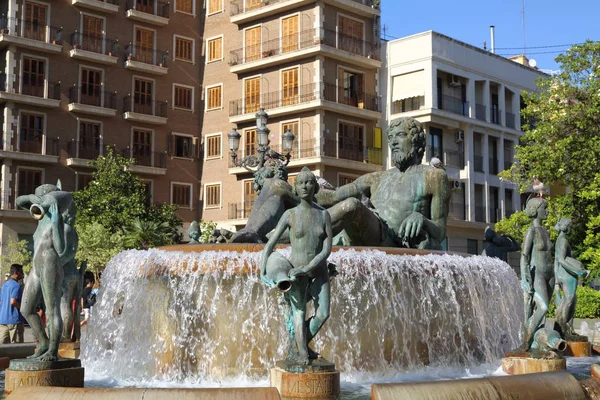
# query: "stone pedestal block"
{"type": "Point", "coordinates": [578, 349]}
{"type": "Point", "coordinates": [528, 365]}
{"type": "Point", "coordinates": [308, 385]}
{"type": "Point", "coordinates": [33, 372]}
{"type": "Point", "coordinates": [69, 350]}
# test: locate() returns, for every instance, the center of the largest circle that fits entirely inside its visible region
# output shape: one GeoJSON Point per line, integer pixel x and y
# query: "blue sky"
{"type": "Point", "coordinates": [547, 23]}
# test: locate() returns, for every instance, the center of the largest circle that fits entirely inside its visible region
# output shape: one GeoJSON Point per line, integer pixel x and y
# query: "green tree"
{"type": "Point", "coordinates": [17, 252]}
{"type": "Point", "coordinates": [207, 228]}
{"type": "Point", "coordinates": [97, 245]}
{"type": "Point", "coordinates": [561, 144]}
{"type": "Point", "coordinates": [144, 234]}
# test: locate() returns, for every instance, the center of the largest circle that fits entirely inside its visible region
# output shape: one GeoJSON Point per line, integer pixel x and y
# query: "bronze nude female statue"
{"type": "Point", "coordinates": [305, 276]}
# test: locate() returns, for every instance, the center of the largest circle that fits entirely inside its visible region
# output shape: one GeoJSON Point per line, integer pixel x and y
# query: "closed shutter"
{"type": "Point", "coordinates": [214, 97]}
{"type": "Point", "coordinates": [289, 80]}
{"type": "Point", "coordinates": [252, 38]}
{"type": "Point", "coordinates": [252, 94]}
{"type": "Point", "coordinates": [249, 197]}
{"type": "Point", "coordinates": [215, 49]}
{"type": "Point", "coordinates": [289, 31]}
{"type": "Point", "coordinates": [250, 142]}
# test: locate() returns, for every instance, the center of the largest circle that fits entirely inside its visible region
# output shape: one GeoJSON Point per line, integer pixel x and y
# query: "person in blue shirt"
{"type": "Point", "coordinates": [11, 320]}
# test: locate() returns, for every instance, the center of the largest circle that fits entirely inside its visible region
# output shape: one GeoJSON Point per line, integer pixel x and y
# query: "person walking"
{"type": "Point", "coordinates": [11, 321]}
{"type": "Point", "coordinates": [85, 305]}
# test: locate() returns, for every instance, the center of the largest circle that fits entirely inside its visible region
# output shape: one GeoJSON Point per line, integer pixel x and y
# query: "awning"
{"type": "Point", "coordinates": [408, 85]}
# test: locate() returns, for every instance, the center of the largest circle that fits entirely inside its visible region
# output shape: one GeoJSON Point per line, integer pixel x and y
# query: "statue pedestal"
{"type": "Point", "coordinates": [28, 372]}
{"type": "Point", "coordinates": [517, 363]}
{"type": "Point", "coordinates": [320, 380]}
{"type": "Point", "coordinates": [69, 350]}
{"type": "Point", "coordinates": [578, 349]}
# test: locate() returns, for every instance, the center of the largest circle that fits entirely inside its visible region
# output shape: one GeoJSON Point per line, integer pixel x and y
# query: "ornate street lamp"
{"type": "Point", "coordinates": [253, 163]}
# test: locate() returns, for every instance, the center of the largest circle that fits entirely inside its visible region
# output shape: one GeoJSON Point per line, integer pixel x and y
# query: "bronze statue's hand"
{"type": "Point", "coordinates": [411, 226]}
{"type": "Point", "coordinates": [53, 210]}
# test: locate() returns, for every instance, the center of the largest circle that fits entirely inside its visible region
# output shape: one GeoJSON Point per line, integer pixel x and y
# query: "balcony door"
{"type": "Point", "coordinates": [142, 147]}
{"type": "Point", "coordinates": [251, 4]}
{"type": "Point", "coordinates": [29, 180]}
{"type": "Point", "coordinates": [252, 45]}
{"type": "Point", "coordinates": [252, 94]}
{"type": "Point", "coordinates": [34, 77]}
{"type": "Point", "coordinates": [350, 35]}
{"type": "Point", "coordinates": [435, 143]}
{"type": "Point", "coordinates": [93, 31]}
{"type": "Point", "coordinates": [351, 142]}
{"type": "Point", "coordinates": [32, 133]}
{"type": "Point", "coordinates": [91, 87]}
{"type": "Point", "coordinates": [249, 197]}
{"type": "Point", "coordinates": [35, 21]}
{"type": "Point", "coordinates": [146, 6]}
{"type": "Point", "coordinates": [142, 97]}
{"type": "Point", "coordinates": [289, 86]}
{"type": "Point", "coordinates": [351, 89]}
{"type": "Point", "coordinates": [89, 140]}
{"type": "Point", "coordinates": [250, 142]}
{"type": "Point", "coordinates": [144, 46]}
{"type": "Point", "coordinates": [289, 33]}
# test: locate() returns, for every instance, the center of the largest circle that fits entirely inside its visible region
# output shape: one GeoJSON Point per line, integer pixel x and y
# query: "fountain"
{"type": "Point", "coordinates": [197, 314]}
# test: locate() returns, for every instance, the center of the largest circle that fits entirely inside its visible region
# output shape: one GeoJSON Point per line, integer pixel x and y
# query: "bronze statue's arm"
{"type": "Point", "coordinates": [72, 242]}
{"type": "Point", "coordinates": [282, 225]}
{"type": "Point", "coordinates": [362, 185]}
{"type": "Point", "coordinates": [326, 250]}
{"type": "Point", "coordinates": [573, 266]}
{"type": "Point", "coordinates": [526, 260]}
{"type": "Point", "coordinates": [27, 200]}
{"type": "Point", "coordinates": [58, 229]}
{"type": "Point", "coordinates": [436, 226]}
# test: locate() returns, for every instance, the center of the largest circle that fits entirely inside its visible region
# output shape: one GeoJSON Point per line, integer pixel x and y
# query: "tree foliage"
{"type": "Point", "coordinates": [16, 252]}
{"type": "Point", "coordinates": [114, 213]}
{"type": "Point", "coordinates": [561, 144]}
{"type": "Point", "coordinates": [207, 228]}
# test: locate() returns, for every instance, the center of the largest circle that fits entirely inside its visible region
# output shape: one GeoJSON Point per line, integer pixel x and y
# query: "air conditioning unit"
{"type": "Point", "coordinates": [453, 81]}
{"type": "Point", "coordinates": [460, 136]}
{"type": "Point", "coordinates": [456, 185]}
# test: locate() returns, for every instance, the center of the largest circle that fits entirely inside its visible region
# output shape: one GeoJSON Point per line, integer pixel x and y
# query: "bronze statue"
{"type": "Point", "coordinates": [498, 245]}
{"type": "Point", "coordinates": [194, 233]}
{"type": "Point", "coordinates": [55, 244]}
{"type": "Point", "coordinates": [537, 270]}
{"type": "Point", "coordinates": [567, 271]}
{"type": "Point", "coordinates": [306, 275]}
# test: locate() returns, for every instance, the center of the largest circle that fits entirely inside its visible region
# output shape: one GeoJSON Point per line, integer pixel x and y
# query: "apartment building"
{"type": "Point", "coordinates": [81, 75]}
{"type": "Point", "coordinates": [314, 67]}
{"type": "Point", "coordinates": [469, 101]}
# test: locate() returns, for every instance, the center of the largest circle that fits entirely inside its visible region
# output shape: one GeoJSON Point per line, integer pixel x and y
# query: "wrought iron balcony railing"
{"type": "Point", "coordinates": [480, 111]}
{"type": "Point", "coordinates": [30, 85]}
{"type": "Point", "coordinates": [146, 55]}
{"type": "Point", "coordinates": [454, 104]}
{"type": "Point", "coordinates": [154, 108]}
{"type": "Point", "coordinates": [92, 97]}
{"type": "Point", "coordinates": [94, 43]}
{"type": "Point", "coordinates": [510, 120]}
{"type": "Point", "coordinates": [83, 150]}
{"type": "Point", "coordinates": [30, 30]}
{"type": "Point", "coordinates": [146, 158]}
{"type": "Point", "coordinates": [238, 7]}
{"type": "Point", "coordinates": [154, 7]}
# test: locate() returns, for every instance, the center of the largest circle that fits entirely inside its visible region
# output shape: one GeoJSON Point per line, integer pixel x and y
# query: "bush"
{"type": "Point", "coordinates": [588, 304]}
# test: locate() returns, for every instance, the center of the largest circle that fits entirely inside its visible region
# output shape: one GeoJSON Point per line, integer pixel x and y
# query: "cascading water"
{"type": "Point", "coordinates": [195, 317]}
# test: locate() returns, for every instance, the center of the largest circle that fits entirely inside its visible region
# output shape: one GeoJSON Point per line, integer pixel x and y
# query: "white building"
{"type": "Point", "coordinates": [469, 101]}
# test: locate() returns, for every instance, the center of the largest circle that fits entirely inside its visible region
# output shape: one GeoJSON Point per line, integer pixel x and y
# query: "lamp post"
{"type": "Point", "coordinates": [254, 163]}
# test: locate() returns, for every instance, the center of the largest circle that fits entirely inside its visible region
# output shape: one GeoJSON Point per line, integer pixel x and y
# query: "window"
{"type": "Point", "coordinates": [351, 88]}
{"type": "Point", "coordinates": [289, 86]}
{"type": "Point", "coordinates": [351, 142]}
{"type": "Point", "coordinates": [289, 33]}
{"type": "Point", "coordinates": [215, 6]}
{"type": "Point", "coordinates": [435, 143]}
{"type": "Point", "coordinates": [186, 6]}
{"type": "Point", "coordinates": [91, 87]}
{"type": "Point", "coordinates": [299, 149]}
{"type": "Point", "coordinates": [344, 180]}
{"type": "Point", "coordinates": [350, 36]}
{"type": "Point", "coordinates": [252, 43]}
{"type": "Point", "coordinates": [29, 179]}
{"type": "Point", "coordinates": [93, 29]}
{"type": "Point", "coordinates": [144, 46]}
{"type": "Point", "coordinates": [142, 96]}
{"type": "Point", "coordinates": [215, 49]}
{"type": "Point", "coordinates": [213, 146]}
{"type": "Point", "coordinates": [181, 195]}
{"type": "Point", "coordinates": [181, 146]}
{"type": "Point", "coordinates": [32, 131]}
{"type": "Point", "coordinates": [212, 195]}
{"type": "Point", "coordinates": [213, 97]}
{"type": "Point", "coordinates": [89, 140]}
{"type": "Point", "coordinates": [141, 150]}
{"type": "Point", "coordinates": [183, 97]}
{"type": "Point", "coordinates": [35, 21]}
{"type": "Point", "coordinates": [183, 49]}
{"type": "Point", "coordinates": [252, 94]}
{"type": "Point", "coordinates": [249, 197]}
{"type": "Point", "coordinates": [34, 77]}
{"type": "Point", "coordinates": [250, 142]}
{"type": "Point", "coordinates": [83, 180]}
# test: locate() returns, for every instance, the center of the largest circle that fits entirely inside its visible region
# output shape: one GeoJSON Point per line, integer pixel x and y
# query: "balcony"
{"type": "Point", "coordinates": [510, 120]}
{"type": "Point", "coordinates": [450, 158]}
{"type": "Point", "coordinates": [145, 59]}
{"type": "Point", "coordinates": [306, 43]}
{"type": "Point", "coordinates": [30, 35]}
{"type": "Point", "coordinates": [94, 48]}
{"type": "Point", "coordinates": [37, 149]}
{"type": "Point", "coordinates": [29, 91]}
{"type": "Point", "coordinates": [106, 6]}
{"type": "Point", "coordinates": [146, 162]}
{"type": "Point", "coordinates": [454, 105]}
{"type": "Point", "coordinates": [240, 210]}
{"type": "Point", "coordinates": [152, 12]}
{"type": "Point", "coordinates": [303, 98]}
{"type": "Point", "coordinates": [495, 115]}
{"type": "Point", "coordinates": [243, 11]}
{"type": "Point", "coordinates": [480, 110]}
{"type": "Point", "coordinates": [148, 112]}
{"type": "Point", "coordinates": [101, 103]}
{"type": "Point", "coordinates": [80, 154]}
{"type": "Point", "coordinates": [478, 163]}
